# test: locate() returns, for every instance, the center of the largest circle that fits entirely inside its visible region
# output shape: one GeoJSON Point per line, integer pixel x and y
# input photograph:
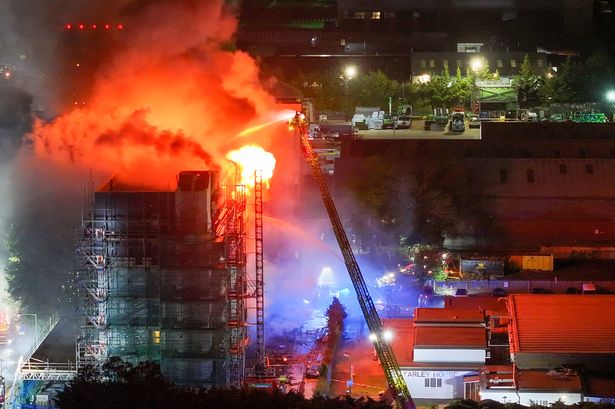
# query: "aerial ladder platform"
{"type": "Point", "coordinates": [394, 377]}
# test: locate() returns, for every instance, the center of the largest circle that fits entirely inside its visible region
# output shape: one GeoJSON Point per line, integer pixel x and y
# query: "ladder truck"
{"type": "Point", "coordinates": [393, 374]}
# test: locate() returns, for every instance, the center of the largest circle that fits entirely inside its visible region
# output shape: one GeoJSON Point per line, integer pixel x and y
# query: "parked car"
{"type": "Point", "coordinates": [388, 122]}
{"type": "Point", "coordinates": [498, 292]}
{"type": "Point", "coordinates": [461, 292]}
{"type": "Point", "coordinates": [474, 122]}
{"type": "Point", "coordinates": [425, 297]}
{"type": "Point", "coordinates": [457, 122]}
{"type": "Point", "coordinates": [336, 131]}
{"type": "Point", "coordinates": [313, 371]}
{"type": "Point", "coordinates": [403, 122]}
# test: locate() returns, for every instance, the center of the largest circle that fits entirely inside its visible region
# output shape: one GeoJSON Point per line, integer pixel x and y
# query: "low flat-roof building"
{"type": "Point", "coordinates": [524, 348]}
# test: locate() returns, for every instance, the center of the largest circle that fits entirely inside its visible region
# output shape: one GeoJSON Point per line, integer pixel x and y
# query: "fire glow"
{"type": "Point", "coordinates": [251, 158]}
{"type": "Point", "coordinates": [171, 98]}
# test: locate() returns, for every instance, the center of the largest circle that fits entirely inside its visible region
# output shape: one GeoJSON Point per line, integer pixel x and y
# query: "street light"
{"type": "Point", "coordinates": [350, 71]}
{"type": "Point", "coordinates": [424, 78]}
{"type": "Point", "coordinates": [351, 381]}
{"type": "Point", "coordinates": [610, 95]}
{"type": "Point", "coordinates": [476, 64]}
{"type": "Point", "coordinates": [35, 324]}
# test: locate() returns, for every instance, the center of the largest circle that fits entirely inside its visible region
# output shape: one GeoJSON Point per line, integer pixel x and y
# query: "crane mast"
{"type": "Point", "coordinates": [384, 351]}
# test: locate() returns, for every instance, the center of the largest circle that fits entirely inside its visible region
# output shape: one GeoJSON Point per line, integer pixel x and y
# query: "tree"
{"type": "Point", "coordinates": [142, 386]}
{"type": "Point", "coordinates": [372, 89]}
{"type": "Point", "coordinates": [527, 84]}
{"type": "Point", "coordinates": [336, 314]}
{"type": "Point", "coordinates": [444, 91]}
{"type": "Point", "coordinates": [565, 86]}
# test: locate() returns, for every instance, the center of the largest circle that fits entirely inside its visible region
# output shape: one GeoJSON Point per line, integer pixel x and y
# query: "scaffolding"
{"type": "Point", "coordinates": [92, 285]}
{"type": "Point", "coordinates": [151, 283]}
{"type": "Point", "coordinates": [235, 260]}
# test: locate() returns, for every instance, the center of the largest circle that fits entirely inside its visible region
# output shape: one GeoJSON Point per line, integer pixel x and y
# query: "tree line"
{"type": "Point", "coordinates": [576, 80]}
{"type": "Point", "coordinates": [123, 385]}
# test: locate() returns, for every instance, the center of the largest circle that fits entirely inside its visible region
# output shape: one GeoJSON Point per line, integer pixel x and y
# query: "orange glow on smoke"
{"type": "Point", "coordinates": [251, 158]}
{"type": "Point", "coordinates": [170, 98]}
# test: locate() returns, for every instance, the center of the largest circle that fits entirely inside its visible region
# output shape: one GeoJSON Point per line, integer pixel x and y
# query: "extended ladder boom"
{"type": "Point", "coordinates": [383, 349]}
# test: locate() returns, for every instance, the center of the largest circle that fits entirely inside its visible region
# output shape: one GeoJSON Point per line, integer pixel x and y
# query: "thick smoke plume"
{"type": "Point", "coordinates": [169, 97]}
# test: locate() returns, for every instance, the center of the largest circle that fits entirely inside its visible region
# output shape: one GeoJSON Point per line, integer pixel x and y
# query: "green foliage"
{"type": "Point", "coordinates": [372, 89]}
{"type": "Point", "coordinates": [418, 198]}
{"type": "Point", "coordinates": [527, 84]}
{"type": "Point", "coordinates": [444, 91]}
{"type": "Point", "coordinates": [336, 314]}
{"type": "Point", "coordinates": [39, 272]}
{"type": "Point", "coordinates": [142, 386]}
{"type": "Point", "coordinates": [462, 404]}
{"type": "Point", "coordinates": [565, 85]}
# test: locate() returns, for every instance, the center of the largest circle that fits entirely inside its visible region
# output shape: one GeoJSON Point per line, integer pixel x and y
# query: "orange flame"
{"type": "Point", "coordinates": [251, 158]}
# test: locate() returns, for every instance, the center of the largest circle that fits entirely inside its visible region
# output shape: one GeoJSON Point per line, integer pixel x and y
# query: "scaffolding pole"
{"type": "Point", "coordinates": [235, 258]}
{"type": "Point", "coordinates": [260, 284]}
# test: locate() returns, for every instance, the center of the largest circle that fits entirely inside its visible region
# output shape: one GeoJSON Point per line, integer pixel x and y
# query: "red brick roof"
{"type": "Point", "coordinates": [562, 323]}
{"type": "Point", "coordinates": [443, 315]}
{"type": "Point", "coordinates": [543, 381]}
{"type": "Point", "coordinates": [477, 302]}
{"type": "Point", "coordinates": [446, 337]}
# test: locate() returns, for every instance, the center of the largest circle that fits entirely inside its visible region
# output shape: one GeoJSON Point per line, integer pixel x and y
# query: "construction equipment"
{"type": "Point", "coordinates": [384, 351]}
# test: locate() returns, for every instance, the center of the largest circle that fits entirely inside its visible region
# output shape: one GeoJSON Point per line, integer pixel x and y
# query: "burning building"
{"type": "Point", "coordinates": [161, 277]}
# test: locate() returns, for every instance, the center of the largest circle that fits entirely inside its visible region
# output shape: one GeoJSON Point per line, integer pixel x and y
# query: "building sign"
{"type": "Point", "coordinates": [435, 384]}
{"type": "Point", "coordinates": [432, 374]}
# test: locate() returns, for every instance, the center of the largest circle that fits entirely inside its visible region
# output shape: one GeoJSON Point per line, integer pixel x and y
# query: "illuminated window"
{"type": "Point", "coordinates": [423, 65]}
{"type": "Point", "coordinates": [499, 63]}
{"type": "Point", "coordinates": [359, 15]}
{"type": "Point", "coordinates": [156, 337]}
{"type": "Point", "coordinates": [513, 63]}
{"type": "Point", "coordinates": [432, 63]}
{"type": "Point", "coordinates": [416, 14]}
{"type": "Point", "coordinates": [375, 15]}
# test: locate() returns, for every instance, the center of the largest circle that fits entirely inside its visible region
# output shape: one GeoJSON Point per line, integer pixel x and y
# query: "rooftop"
{"type": "Point", "coordinates": [548, 381]}
{"type": "Point", "coordinates": [449, 316]}
{"type": "Point", "coordinates": [562, 323]}
{"type": "Point", "coordinates": [447, 337]}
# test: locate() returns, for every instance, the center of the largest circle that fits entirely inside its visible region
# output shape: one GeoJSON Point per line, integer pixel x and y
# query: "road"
{"type": "Point", "coordinates": [368, 379]}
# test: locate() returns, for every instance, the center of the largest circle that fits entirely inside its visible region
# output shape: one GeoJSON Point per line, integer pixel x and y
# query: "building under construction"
{"type": "Point", "coordinates": [161, 277]}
